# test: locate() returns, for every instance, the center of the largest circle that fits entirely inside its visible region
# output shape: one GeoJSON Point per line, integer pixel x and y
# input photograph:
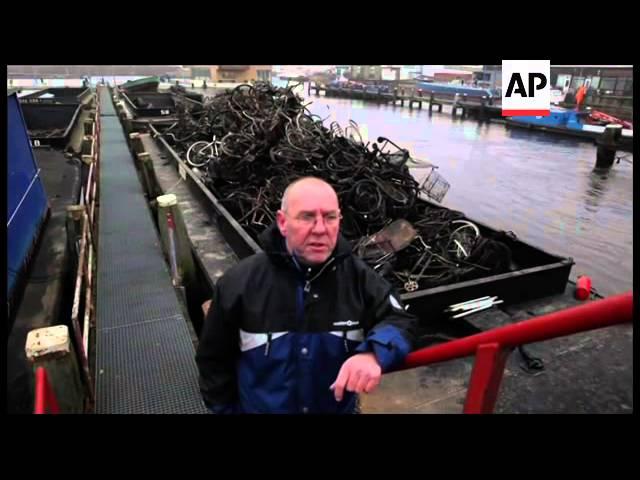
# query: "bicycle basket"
{"type": "Point", "coordinates": [435, 186]}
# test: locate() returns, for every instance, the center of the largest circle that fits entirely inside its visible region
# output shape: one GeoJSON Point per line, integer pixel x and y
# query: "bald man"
{"type": "Point", "coordinates": [305, 326]}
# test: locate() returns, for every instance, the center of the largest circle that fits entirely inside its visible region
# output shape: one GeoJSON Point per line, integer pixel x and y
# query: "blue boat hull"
{"type": "Point", "coordinates": [27, 206]}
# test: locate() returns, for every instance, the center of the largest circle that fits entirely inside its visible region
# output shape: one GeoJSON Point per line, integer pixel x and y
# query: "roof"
{"type": "Point", "coordinates": [450, 71]}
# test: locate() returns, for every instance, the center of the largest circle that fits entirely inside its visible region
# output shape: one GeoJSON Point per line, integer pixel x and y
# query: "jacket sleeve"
{"type": "Point", "coordinates": [392, 330]}
{"type": "Point", "coordinates": [217, 352]}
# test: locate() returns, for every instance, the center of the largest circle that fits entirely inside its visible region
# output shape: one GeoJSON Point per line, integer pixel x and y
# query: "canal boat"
{"type": "Point", "coordinates": [578, 123]}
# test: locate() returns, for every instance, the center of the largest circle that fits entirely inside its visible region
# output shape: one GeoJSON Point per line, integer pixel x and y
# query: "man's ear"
{"type": "Point", "coordinates": [281, 218]}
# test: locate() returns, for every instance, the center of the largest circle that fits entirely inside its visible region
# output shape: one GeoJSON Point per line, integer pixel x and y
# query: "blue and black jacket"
{"type": "Point", "coordinates": [278, 332]}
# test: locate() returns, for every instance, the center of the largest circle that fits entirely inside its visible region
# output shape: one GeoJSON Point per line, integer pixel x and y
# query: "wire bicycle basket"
{"type": "Point", "coordinates": [435, 186]}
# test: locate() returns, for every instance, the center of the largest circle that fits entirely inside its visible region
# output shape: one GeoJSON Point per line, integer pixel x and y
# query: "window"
{"type": "Point", "coordinates": [577, 82]}
{"type": "Point", "coordinates": [200, 72]}
{"type": "Point", "coordinates": [563, 81]}
{"type": "Point", "coordinates": [624, 86]}
{"type": "Point", "coordinates": [608, 83]}
{"type": "Point", "coordinates": [264, 75]}
{"type": "Point", "coordinates": [228, 76]}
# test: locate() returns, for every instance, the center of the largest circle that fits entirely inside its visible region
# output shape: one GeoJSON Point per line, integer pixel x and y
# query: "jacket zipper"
{"type": "Point", "coordinates": [266, 350]}
{"type": "Point", "coordinates": [307, 285]}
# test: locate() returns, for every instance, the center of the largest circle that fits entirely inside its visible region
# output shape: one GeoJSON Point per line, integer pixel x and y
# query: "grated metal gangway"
{"type": "Point", "coordinates": [144, 354]}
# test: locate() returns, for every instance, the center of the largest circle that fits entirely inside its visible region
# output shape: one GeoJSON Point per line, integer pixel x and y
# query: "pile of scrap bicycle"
{"type": "Point", "coordinates": [244, 146]}
{"type": "Point", "coordinates": [249, 143]}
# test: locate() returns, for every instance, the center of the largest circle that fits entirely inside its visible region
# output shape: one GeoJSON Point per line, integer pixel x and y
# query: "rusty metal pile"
{"type": "Point", "coordinates": [249, 143]}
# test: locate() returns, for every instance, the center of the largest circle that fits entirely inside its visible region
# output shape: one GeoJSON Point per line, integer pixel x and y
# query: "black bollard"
{"type": "Point", "coordinates": [607, 146]}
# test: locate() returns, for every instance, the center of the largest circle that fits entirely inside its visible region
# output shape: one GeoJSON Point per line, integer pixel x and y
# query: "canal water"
{"type": "Point", "coordinates": [540, 186]}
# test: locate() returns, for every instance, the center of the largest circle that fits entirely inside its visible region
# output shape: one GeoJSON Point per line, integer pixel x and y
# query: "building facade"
{"type": "Point", "coordinates": [362, 73]}
{"type": "Point", "coordinates": [80, 71]}
{"type": "Point", "coordinates": [231, 73]}
{"type": "Point", "coordinates": [387, 73]}
{"type": "Point", "coordinates": [610, 87]}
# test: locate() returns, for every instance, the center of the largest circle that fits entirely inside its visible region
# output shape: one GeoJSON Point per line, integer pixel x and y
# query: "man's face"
{"type": "Point", "coordinates": [311, 221]}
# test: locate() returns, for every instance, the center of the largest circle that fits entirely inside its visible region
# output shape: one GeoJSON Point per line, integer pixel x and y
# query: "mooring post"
{"type": "Point", "coordinates": [607, 146]}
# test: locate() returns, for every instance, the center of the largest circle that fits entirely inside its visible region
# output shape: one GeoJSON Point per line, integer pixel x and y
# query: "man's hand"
{"type": "Point", "coordinates": [360, 373]}
{"type": "Point", "coordinates": [205, 307]}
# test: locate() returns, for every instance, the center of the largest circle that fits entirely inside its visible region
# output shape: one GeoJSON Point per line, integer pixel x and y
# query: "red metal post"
{"type": "Point", "coordinates": [40, 402]}
{"type": "Point", "coordinates": [45, 397]}
{"type": "Point", "coordinates": [170, 224]}
{"type": "Point", "coordinates": [485, 378]}
{"type": "Point", "coordinates": [173, 253]}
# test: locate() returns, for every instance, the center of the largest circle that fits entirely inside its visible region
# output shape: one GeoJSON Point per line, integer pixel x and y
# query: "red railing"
{"type": "Point", "coordinates": [84, 282]}
{"type": "Point", "coordinates": [46, 401]}
{"type": "Point", "coordinates": [493, 347]}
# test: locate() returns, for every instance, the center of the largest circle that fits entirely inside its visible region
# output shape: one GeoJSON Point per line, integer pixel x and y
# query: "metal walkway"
{"type": "Point", "coordinates": [144, 354]}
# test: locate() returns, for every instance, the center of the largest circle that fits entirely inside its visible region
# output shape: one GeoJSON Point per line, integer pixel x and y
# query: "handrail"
{"type": "Point", "coordinates": [493, 347]}
{"type": "Point", "coordinates": [84, 283]}
{"type": "Point", "coordinates": [87, 257]}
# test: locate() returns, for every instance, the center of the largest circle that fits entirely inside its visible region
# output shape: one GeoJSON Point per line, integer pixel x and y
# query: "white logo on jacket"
{"type": "Point", "coordinates": [348, 323]}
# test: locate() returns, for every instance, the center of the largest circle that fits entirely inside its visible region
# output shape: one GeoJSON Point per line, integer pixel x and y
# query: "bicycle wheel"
{"type": "Point", "coordinates": [462, 239]}
{"type": "Point", "coordinates": [199, 154]}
